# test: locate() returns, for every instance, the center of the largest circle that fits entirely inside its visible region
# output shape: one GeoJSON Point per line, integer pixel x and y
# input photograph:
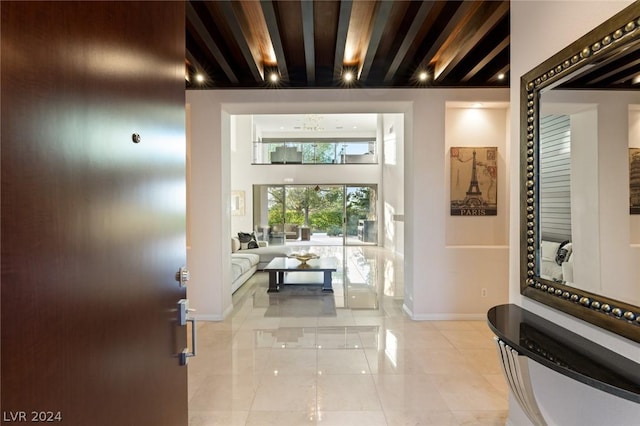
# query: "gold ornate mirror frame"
{"type": "Point", "coordinates": [613, 315]}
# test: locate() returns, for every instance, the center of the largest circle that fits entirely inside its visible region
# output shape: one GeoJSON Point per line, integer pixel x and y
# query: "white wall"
{"type": "Point", "coordinates": [392, 134]}
{"type": "Point", "coordinates": [540, 29]}
{"type": "Point", "coordinates": [476, 246]}
{"type": "Point", "coordinates": [478, 127]}
{"type": "Point", "coordinates": [391, 236]}
{"type": "Point", "coordinates": [243, 174]}
{"type": "Point", "coordinates": [585, 200]}
{"type": "Point", "coordinates": [431, 290]}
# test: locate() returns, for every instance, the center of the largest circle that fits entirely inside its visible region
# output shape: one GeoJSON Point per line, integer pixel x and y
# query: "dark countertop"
{"type": "Point", "coordinates": [565, 352]}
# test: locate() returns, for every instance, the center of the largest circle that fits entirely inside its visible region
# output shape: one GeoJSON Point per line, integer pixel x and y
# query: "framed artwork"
{"type": "Point", "coordinates": [634, 180]}
{"type": "Point", "coordinates": [237, 203]}
{"type": "Point", "coordinates": [474, 181]}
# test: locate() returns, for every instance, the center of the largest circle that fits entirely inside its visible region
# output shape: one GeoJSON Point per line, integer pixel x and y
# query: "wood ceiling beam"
{"type": "Point", "coordinates": [309, 42]}
{"type": "Point", "coordinates": [359, 32]}
{"type": "Point", "coordinates": [341, 37]}
{"type": "Point", "coordinates": [621, 74]}
{"type": "Point", "coordinates": [477, 28]}
{"type": "Point", "coordinates": [488, 58]}
{"type": "Point", "coordinates": [611, 70]}
{"type": "Point", "coordinates": [261, 42]}
{"type": "Point", "coordinates": [253, 59]}
{"type": "Point", "coordinates": [455, 20]}
{"type": "Point", "coordinates": [382, 16]}
{"type": "Point", "coordinates": [501, 72]}
{"type": "Point", "coordinates": [198, 26]}
{"type": "Point", "coordinates": [409, 39]}
{"type": "Point", "coordinates": [194, 62]}
{"type": "Point", "coordinates": [274, 33]}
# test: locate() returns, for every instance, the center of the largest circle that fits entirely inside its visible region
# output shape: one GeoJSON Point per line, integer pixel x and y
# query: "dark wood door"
{"type": "Point", "coordinates": [93, 224]}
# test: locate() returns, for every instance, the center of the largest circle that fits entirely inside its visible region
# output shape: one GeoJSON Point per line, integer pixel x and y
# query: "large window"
{"type": "Point", "coordinates": [315, 151]}
{"type": "Point", "coordinates": [319, 214]}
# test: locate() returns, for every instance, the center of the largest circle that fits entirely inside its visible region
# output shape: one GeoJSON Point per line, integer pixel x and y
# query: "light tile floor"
{"type": "Point", "coordinates": [302, 358]}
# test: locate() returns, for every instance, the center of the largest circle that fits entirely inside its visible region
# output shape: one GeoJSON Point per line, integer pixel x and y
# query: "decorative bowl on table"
{"type": "Point", "coordinates": [303, 258]}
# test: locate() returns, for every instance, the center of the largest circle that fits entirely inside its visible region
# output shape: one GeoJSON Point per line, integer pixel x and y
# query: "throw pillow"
{"type": "Point", "coordinates": [245, 238]}
{"type": "Point", "coordinates": [252, 244]}
{"type": "Point", "coordinates": [563, 253]}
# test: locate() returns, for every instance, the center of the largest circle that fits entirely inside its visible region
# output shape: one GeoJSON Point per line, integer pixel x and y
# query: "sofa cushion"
{"type": "Point", "coordinates": [242, 262]}
{"type": "Point", "coordinates": [549, 249]}
{"type": "Point", "coordinates": [245, 260]}
{"type": "Point", "coordinates": [550, 270]}
{"type": "Point", "coordinates": [235, 244]}
{"type": "Point", "coordinates": [267, 254]}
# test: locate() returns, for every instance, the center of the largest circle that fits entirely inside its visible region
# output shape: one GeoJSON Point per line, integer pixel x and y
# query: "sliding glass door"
{"type": "Point", "coordinates": [360, 212]}
{"type": "Point", "coordinates": [316, 214]}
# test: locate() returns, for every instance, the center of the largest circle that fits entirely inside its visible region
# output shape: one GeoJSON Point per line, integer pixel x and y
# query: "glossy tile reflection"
{"type": "Point", "coordinates": [300, 357]}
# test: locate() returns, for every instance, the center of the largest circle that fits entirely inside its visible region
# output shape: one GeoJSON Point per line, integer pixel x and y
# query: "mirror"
{"type": "Point", "coordinates": [580, 115]}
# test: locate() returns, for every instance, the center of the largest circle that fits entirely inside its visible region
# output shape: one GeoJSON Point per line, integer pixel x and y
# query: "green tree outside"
{"type": "Point", "coordinates": [320, 208]}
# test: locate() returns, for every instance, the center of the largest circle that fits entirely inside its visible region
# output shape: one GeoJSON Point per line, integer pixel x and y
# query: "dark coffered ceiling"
{"type": "Point", "coordinates": [311, 44]}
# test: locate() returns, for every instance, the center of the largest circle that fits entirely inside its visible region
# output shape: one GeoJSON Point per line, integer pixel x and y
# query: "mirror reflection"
{"type": "Point", "coordinates": [588, 238]}
{"type": "Point", "coordinates": [580, 133]}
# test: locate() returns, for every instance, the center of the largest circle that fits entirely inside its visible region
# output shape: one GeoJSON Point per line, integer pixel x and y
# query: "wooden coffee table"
{"type": "Point", "coordinates": [279, 265]}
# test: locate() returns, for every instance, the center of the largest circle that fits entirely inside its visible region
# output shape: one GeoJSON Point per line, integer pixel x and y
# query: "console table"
{"type": "Point", "coordinates": [521, 333]}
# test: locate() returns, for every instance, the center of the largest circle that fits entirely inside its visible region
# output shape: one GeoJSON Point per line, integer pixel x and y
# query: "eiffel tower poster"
{"type": "Point", "coordinates": [474, 181]}
{"type": "Point", "coordinates": [634, 180]}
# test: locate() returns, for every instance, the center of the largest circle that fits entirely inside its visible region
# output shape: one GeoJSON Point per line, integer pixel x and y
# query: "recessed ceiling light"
{"type": "Point", "coordinates": [348, 76]}
{"type": "Point", "coordinates": [423, 76]}
{"type": "Point", "coordinates": [501, 77]}
{"type": "Point", "coordinates": [274, 77]}
{"type": "Point", "coordinates": [199, 78]}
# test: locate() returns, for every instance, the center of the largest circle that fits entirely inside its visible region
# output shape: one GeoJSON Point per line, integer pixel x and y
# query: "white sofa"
{"type": "Point", "coordinates": [244, 263]}
{"type": "Point", "coordinates": [243, 266]}
{"type": "Point", "coordinates": [549, 268]}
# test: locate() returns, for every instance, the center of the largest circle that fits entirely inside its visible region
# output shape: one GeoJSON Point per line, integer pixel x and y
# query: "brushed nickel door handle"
{"type": "Point", "coordinates": [184, 320]}
{"type": "Point", "coordinates": [185, 354]}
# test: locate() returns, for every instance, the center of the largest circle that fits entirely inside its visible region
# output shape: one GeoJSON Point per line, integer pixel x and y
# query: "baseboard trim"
{"type": "Point", "coordinates": [406, 309]}
{"type": "Point", "coordinates": [228, 311]}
